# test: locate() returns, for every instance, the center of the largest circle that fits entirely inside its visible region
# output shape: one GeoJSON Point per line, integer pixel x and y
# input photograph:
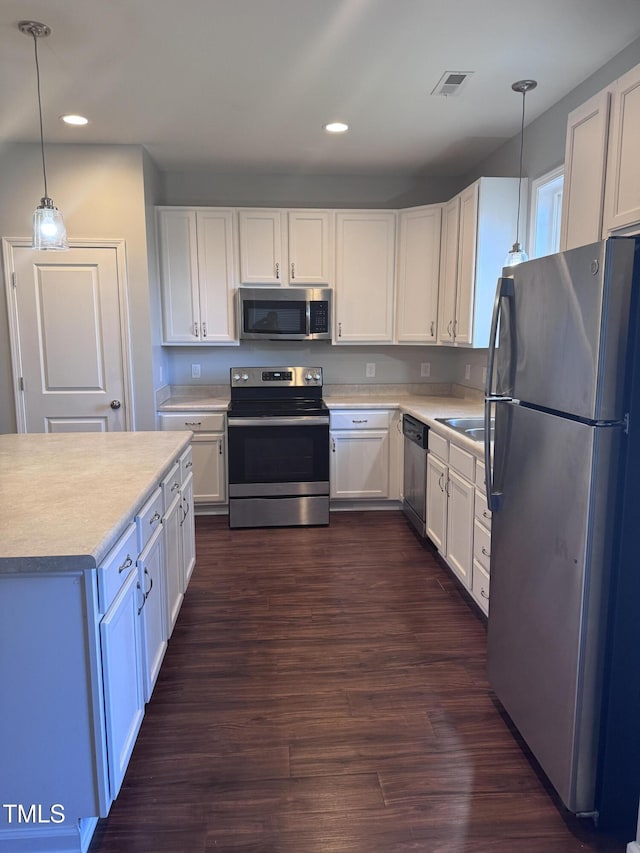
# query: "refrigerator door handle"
{"type": "Point", "coordinates": [504, 290]}
{"type": "Point", "coordinates": [493, 498]}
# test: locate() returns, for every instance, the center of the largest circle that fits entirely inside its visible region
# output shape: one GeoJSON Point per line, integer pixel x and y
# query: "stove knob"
{"type": "Point", "coordinates": [236, 377]}
{"type": "Point", "coordinates": [308, 377]}
{"type": "Point", "coordinates": [317, 377]}
{"type": "Point", "coordinates": [245, 377]}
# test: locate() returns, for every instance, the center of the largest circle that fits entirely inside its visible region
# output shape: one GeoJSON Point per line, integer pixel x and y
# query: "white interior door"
{"type": "Point", "coordinates": [69, 340]}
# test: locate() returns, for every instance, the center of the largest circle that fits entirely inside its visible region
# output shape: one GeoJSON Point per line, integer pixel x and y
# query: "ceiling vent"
{"type": "Point", "coordinates": [451, 83]}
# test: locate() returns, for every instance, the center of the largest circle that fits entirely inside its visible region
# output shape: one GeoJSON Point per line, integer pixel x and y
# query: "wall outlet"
{"type": "Point", "coordinates": [195, 371]}
{"type": "Point", "coordinates": [467, 371]}
{"type": "Point", "coordinates": [370, 370]}
{"type": "Point", "coordinates": [425, 368]}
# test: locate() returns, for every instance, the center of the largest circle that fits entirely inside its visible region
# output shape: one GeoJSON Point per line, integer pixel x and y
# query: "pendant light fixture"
{"type": "Point", "coordinates": [517, 254]}
{"type": "Point", "coordinates": [48, 225]}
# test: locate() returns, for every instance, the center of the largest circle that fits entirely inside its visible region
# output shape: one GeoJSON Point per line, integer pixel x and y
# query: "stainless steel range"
{"type": "Point", "coordinates": [278, 438]}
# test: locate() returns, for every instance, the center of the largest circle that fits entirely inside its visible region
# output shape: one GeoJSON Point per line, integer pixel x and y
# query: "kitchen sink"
{"type": "Point", "coordinates": [473, 428]}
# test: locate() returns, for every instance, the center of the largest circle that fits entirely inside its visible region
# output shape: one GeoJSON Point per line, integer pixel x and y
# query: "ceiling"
{"type": "Point", "coordinates": [246, 85]}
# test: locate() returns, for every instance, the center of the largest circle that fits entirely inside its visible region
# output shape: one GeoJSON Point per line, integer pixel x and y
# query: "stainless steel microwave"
{"type": "Point", "coordinates": [285, 313]}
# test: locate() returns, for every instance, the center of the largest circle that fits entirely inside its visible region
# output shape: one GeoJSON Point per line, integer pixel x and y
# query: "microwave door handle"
{"type": "Point", "coordinates": [307, 313]}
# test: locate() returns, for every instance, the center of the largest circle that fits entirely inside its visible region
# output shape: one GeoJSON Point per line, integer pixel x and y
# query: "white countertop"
{"type": "Point", "coordinates": [66, 498]}
{"type": "Point", "coordinates": [177, 403]}
{"type": "Point", "coordinates": [422, 406]}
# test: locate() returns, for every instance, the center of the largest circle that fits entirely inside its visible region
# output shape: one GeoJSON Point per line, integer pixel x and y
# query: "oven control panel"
{"type": "Point", "coordinates": [287, 377]}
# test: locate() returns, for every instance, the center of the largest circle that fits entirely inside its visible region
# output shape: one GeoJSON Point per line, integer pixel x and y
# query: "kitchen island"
{"type": "Point", "coordinates": [88, 558]}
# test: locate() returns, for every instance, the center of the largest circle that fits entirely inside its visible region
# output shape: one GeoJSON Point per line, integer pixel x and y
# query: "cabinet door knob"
{"type": "Point", "coordinates": [115, 404]}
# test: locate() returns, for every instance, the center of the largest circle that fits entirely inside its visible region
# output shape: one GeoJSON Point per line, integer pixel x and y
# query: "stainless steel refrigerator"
{"type": "Point", "coordinates": [563, 483]}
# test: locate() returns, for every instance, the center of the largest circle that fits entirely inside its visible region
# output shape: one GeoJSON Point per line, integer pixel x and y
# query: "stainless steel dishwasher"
{"type": "Point", "coordinates": [414, 503]}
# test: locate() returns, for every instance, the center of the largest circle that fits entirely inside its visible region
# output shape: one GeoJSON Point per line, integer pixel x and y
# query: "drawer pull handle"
{"type": "Point", "coordinates": [175, 486]}
{"type": "Point", "coordinates": [485, 552]}
{"type": "Point", "coordinates": [484, 594]}
{"type": "Point", "coordinates": [277, 271]}
{"type": "Point", "coordinates": [486, 513]}
{"type": "Point", "coordinates": [361, 421]}
{"type": "Point", "coordinates": [188, 464]}
{"type": "Point", "coordinates": [193, 423]}
{"type": "Point", "coordinates": [128, 562]}
{"type": "Point", "coordinates": [155, 517]}
{"type": "Point", "coordinates": [204, 330]}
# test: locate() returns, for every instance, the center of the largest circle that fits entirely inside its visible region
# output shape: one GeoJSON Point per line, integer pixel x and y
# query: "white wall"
{"type": "Point", "coordinates": [544, 139]}
{"type": "Point", "coordinates": [300, 190]}
{"type": "Point", "coordinates": [341, 364]}
{"type": "Point", "coordinates": [100, 191]}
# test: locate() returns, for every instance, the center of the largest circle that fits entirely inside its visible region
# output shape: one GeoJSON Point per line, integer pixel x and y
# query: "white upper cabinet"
{"type": "Point", "coordinates": [602, 169]}
{"type": "Point", "coordinates": [197, 269]}
{"type": "Point", "coordinates": [365, 275]}
{"type": "Point", "coordinates": [448, 270]}
{"type": "Point", "coordinates": [310, 243]}
{"type": "Point", "coordinates": [263, 250]}
{"type": "Point", "coordinates": [285, 247]}
{"type": "Point", "coordinates": [622, 194]}
{"type": "Point", "coordinates": [418, 271]}
{"type": "Point", "coordinates": [584, 172]}
{"type": "Point", "coordinates": [478, 229]}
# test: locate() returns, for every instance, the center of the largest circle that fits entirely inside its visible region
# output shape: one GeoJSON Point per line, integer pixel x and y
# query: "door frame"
{"type": "Point", "coordinates": [8, 246]}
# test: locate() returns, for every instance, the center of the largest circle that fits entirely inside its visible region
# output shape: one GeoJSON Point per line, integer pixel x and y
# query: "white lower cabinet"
{"type": "Point", "coordinates": [458, 521]}
{"type": "Point", "coordinates": [172, 525]}
{"type": "Point", "coordinates": [122, 678]}
{"type": "Point", "coordinates": [208, 448]}
{"type": "Point", "coordinates": [481, 542]}
{"type": "Point", "coordinates": [187, 526]}
{"type": "Point", "coordinates": [151, 581]}
{"type": "Point", "coordinates": [360, 454]}
{"type": "Point", "coordinates": [460, 526]}
{"type": "Point", "coordinates": [436, 522]}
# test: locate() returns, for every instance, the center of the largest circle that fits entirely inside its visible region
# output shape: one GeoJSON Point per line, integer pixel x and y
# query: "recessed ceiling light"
{"type": "Point", "coordinates": [75, 120]}
{"type": "Point", "coordinates": [336, 127]}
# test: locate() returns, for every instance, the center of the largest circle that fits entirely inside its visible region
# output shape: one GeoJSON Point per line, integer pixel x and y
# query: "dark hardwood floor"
{"type": "Point", "coordinates": [324, 691]}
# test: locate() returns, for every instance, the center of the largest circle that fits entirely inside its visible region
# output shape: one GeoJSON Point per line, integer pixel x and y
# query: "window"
{"type": "Point", "coordinates": [546, 212]}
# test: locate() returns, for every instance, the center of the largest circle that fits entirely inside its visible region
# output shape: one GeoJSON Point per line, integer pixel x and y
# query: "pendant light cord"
{"type": "Point", "coordinates": [44, 168]}
{"type": "Point", "coordinates": [520, 173]}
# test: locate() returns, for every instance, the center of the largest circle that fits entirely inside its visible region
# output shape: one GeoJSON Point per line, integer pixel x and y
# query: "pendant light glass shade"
{"type": "Point", "coordinates": [48, 227]}
{"type": "Point", "coordinates": [49, 232]}
{"type": "Point", "coordinates": [517, 255]}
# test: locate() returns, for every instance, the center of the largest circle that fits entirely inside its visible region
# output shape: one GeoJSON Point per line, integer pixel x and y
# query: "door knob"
{"type": "Point", "coordinates": [115, 404]}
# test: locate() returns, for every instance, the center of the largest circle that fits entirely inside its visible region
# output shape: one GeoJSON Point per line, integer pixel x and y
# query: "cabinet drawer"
{"type": "Point", "coordinates": [438, 445]}
{"type": "Point", "coordinates": [482, 545]}
{"type": "Point", "coordinates": [462, 461]}
{"type": "Point", "coordinates": [171, 487]}
{"type": "Point", "coordinates": [115, 567]}
{"type": "Point", "coordinates": [195, 421]}
{"type": "Point", "coordinates": [186, 465]}
{"type": "Point", "coordinates": [480, 586]}
{"type": "Point", "coordinates": [482, 512]}
{"type": "Point", "coordinates": [362, 419]}
{"type": "Point", "coordinates": [149, 518]}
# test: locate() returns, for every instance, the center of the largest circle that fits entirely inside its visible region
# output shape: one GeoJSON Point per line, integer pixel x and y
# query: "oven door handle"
{"type": "Point", "coordinates": [301, 420]}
